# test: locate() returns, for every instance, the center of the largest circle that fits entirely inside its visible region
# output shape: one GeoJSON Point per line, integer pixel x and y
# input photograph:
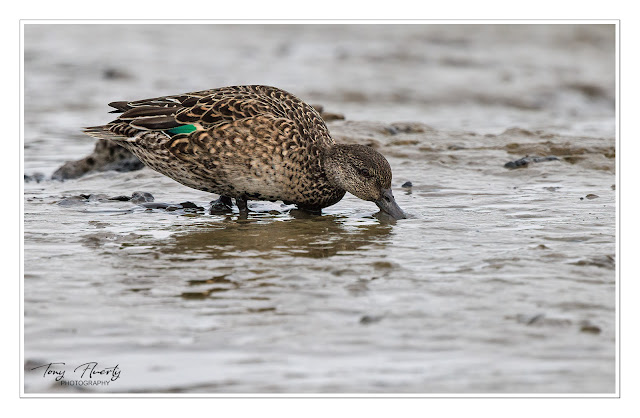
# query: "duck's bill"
{"type": "Point", "coordinates": [388, 205]}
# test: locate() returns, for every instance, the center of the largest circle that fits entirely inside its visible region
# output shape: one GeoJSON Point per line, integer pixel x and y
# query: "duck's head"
{"type": "Point", "coordinates": [363, 172]}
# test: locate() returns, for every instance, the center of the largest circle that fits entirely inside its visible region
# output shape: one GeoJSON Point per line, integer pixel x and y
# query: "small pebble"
{"type": "Point", "coordinates": [524, 162]}
{"type": "Point", "coordinates": [115, 74]}
{"type": "Point", "coordinates": [407, 184]}
{"type": "Point", "coordinates": [592, 196]}
{"type": "Point", "coordinates": [190, 205]}
{"type": "Point", "coordinates": [370, 319]}
{"type": "Point", "coordinates": [155, 205]}
{"type": "Point", "coordinates": [141, 197]}
{"type": "Point", "coordinates": [329, 116]}
{"type": "Point", "coordinates": [171, 207]}
{"type": "Point", "coordinates": [37, 177]}
{"type": "Point", "coordinates": [589, 328]}
{"type": "Point", "coordinates": [517, 164]}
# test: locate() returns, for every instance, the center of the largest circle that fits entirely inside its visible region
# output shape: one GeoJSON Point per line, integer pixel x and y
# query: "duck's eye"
{"type": "Point", "coordinates": [365, 172]}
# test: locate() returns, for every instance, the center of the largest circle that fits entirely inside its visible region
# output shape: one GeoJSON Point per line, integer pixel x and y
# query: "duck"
{"type": "Point", "coordinates": [249, 142]}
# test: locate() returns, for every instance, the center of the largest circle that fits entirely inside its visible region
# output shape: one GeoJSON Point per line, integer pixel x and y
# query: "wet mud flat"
{"type": "Point", "coordinates": [502, 280]}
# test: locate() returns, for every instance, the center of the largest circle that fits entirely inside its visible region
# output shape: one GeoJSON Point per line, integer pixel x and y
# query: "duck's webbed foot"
{"type": "Point", "coordinates": [221, 205]}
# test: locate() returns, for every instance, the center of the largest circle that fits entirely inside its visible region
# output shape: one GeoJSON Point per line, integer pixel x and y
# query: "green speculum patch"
{"type": "Point", "coordinates": [182, 129]}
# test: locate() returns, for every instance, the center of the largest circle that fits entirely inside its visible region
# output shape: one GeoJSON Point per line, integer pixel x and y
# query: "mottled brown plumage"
{"type": "Point", "coordinates": [248, 142]}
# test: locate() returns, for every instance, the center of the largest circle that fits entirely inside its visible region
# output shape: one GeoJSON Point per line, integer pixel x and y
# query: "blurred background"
{"type": "Point", "coordinates": [484, 78]}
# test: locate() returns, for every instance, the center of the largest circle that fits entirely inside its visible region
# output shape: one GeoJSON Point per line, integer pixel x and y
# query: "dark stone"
{"type": "Point", "coordinates": [115, 74]}
{"type": "Point", "coordinates": [136, 197]}
{"type": "Point", "coordinates": [327, 116]}
{"type": "Point", "coordinates": [155, 205]}
{"type": "Point", "coordinates": [107, 155]}
{"type": "Point", "coordinates": [524, 162]}
{"type": "Point", "coordinates": [588, 327]}
{"type": "Point", "coordinates": [190, 205]}
{"type": "Point", "coordinates": [370, 319]}
{"type": "Point", "coordinates": [171, 207]}
{"type": "Point", "coordinates": [592, 91]}
{"type": "Point", "coordinates": [141, 197]}
{"type": "Point", "coordinates": [407, 184]}
{"type": "Point", "coordinates": [37, 177]}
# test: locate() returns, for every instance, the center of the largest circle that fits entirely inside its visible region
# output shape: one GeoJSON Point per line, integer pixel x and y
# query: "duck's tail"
{"type": "Point", "coordinates": [106, 132]}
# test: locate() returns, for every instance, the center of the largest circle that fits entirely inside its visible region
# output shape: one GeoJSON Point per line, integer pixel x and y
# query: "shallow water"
{"type": "Point", "coordinates": [500, 281]}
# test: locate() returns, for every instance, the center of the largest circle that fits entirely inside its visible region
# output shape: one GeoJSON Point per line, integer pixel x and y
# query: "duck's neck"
{"type": "Point", "coordinates": [333, 161]}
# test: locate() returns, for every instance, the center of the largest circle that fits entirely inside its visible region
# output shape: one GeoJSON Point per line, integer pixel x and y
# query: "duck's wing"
{"type": "Point", "coordinates": [207, 109]}
{"type": "Point", "coordinates": [212, 107]}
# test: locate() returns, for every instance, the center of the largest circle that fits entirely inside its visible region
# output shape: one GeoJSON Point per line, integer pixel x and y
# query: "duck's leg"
{"type": "Point", "coordinates": [221, 205]}
{"type": "Point", "coordinates": [241, 202]}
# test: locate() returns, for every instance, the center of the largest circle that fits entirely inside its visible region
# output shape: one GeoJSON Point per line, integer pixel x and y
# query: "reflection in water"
{"type": "Point", "coordinates": [302, 236]}
{"type": "Point", "coordinates": [241, 259]}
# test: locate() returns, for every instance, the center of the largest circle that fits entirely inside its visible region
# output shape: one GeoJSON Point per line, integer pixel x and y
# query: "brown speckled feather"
{"type": "Point", "coordinates": [254, 142]}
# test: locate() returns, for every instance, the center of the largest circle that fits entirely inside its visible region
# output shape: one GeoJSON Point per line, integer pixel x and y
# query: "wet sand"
{"type": "Point", "coordinates": [502, 280]}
